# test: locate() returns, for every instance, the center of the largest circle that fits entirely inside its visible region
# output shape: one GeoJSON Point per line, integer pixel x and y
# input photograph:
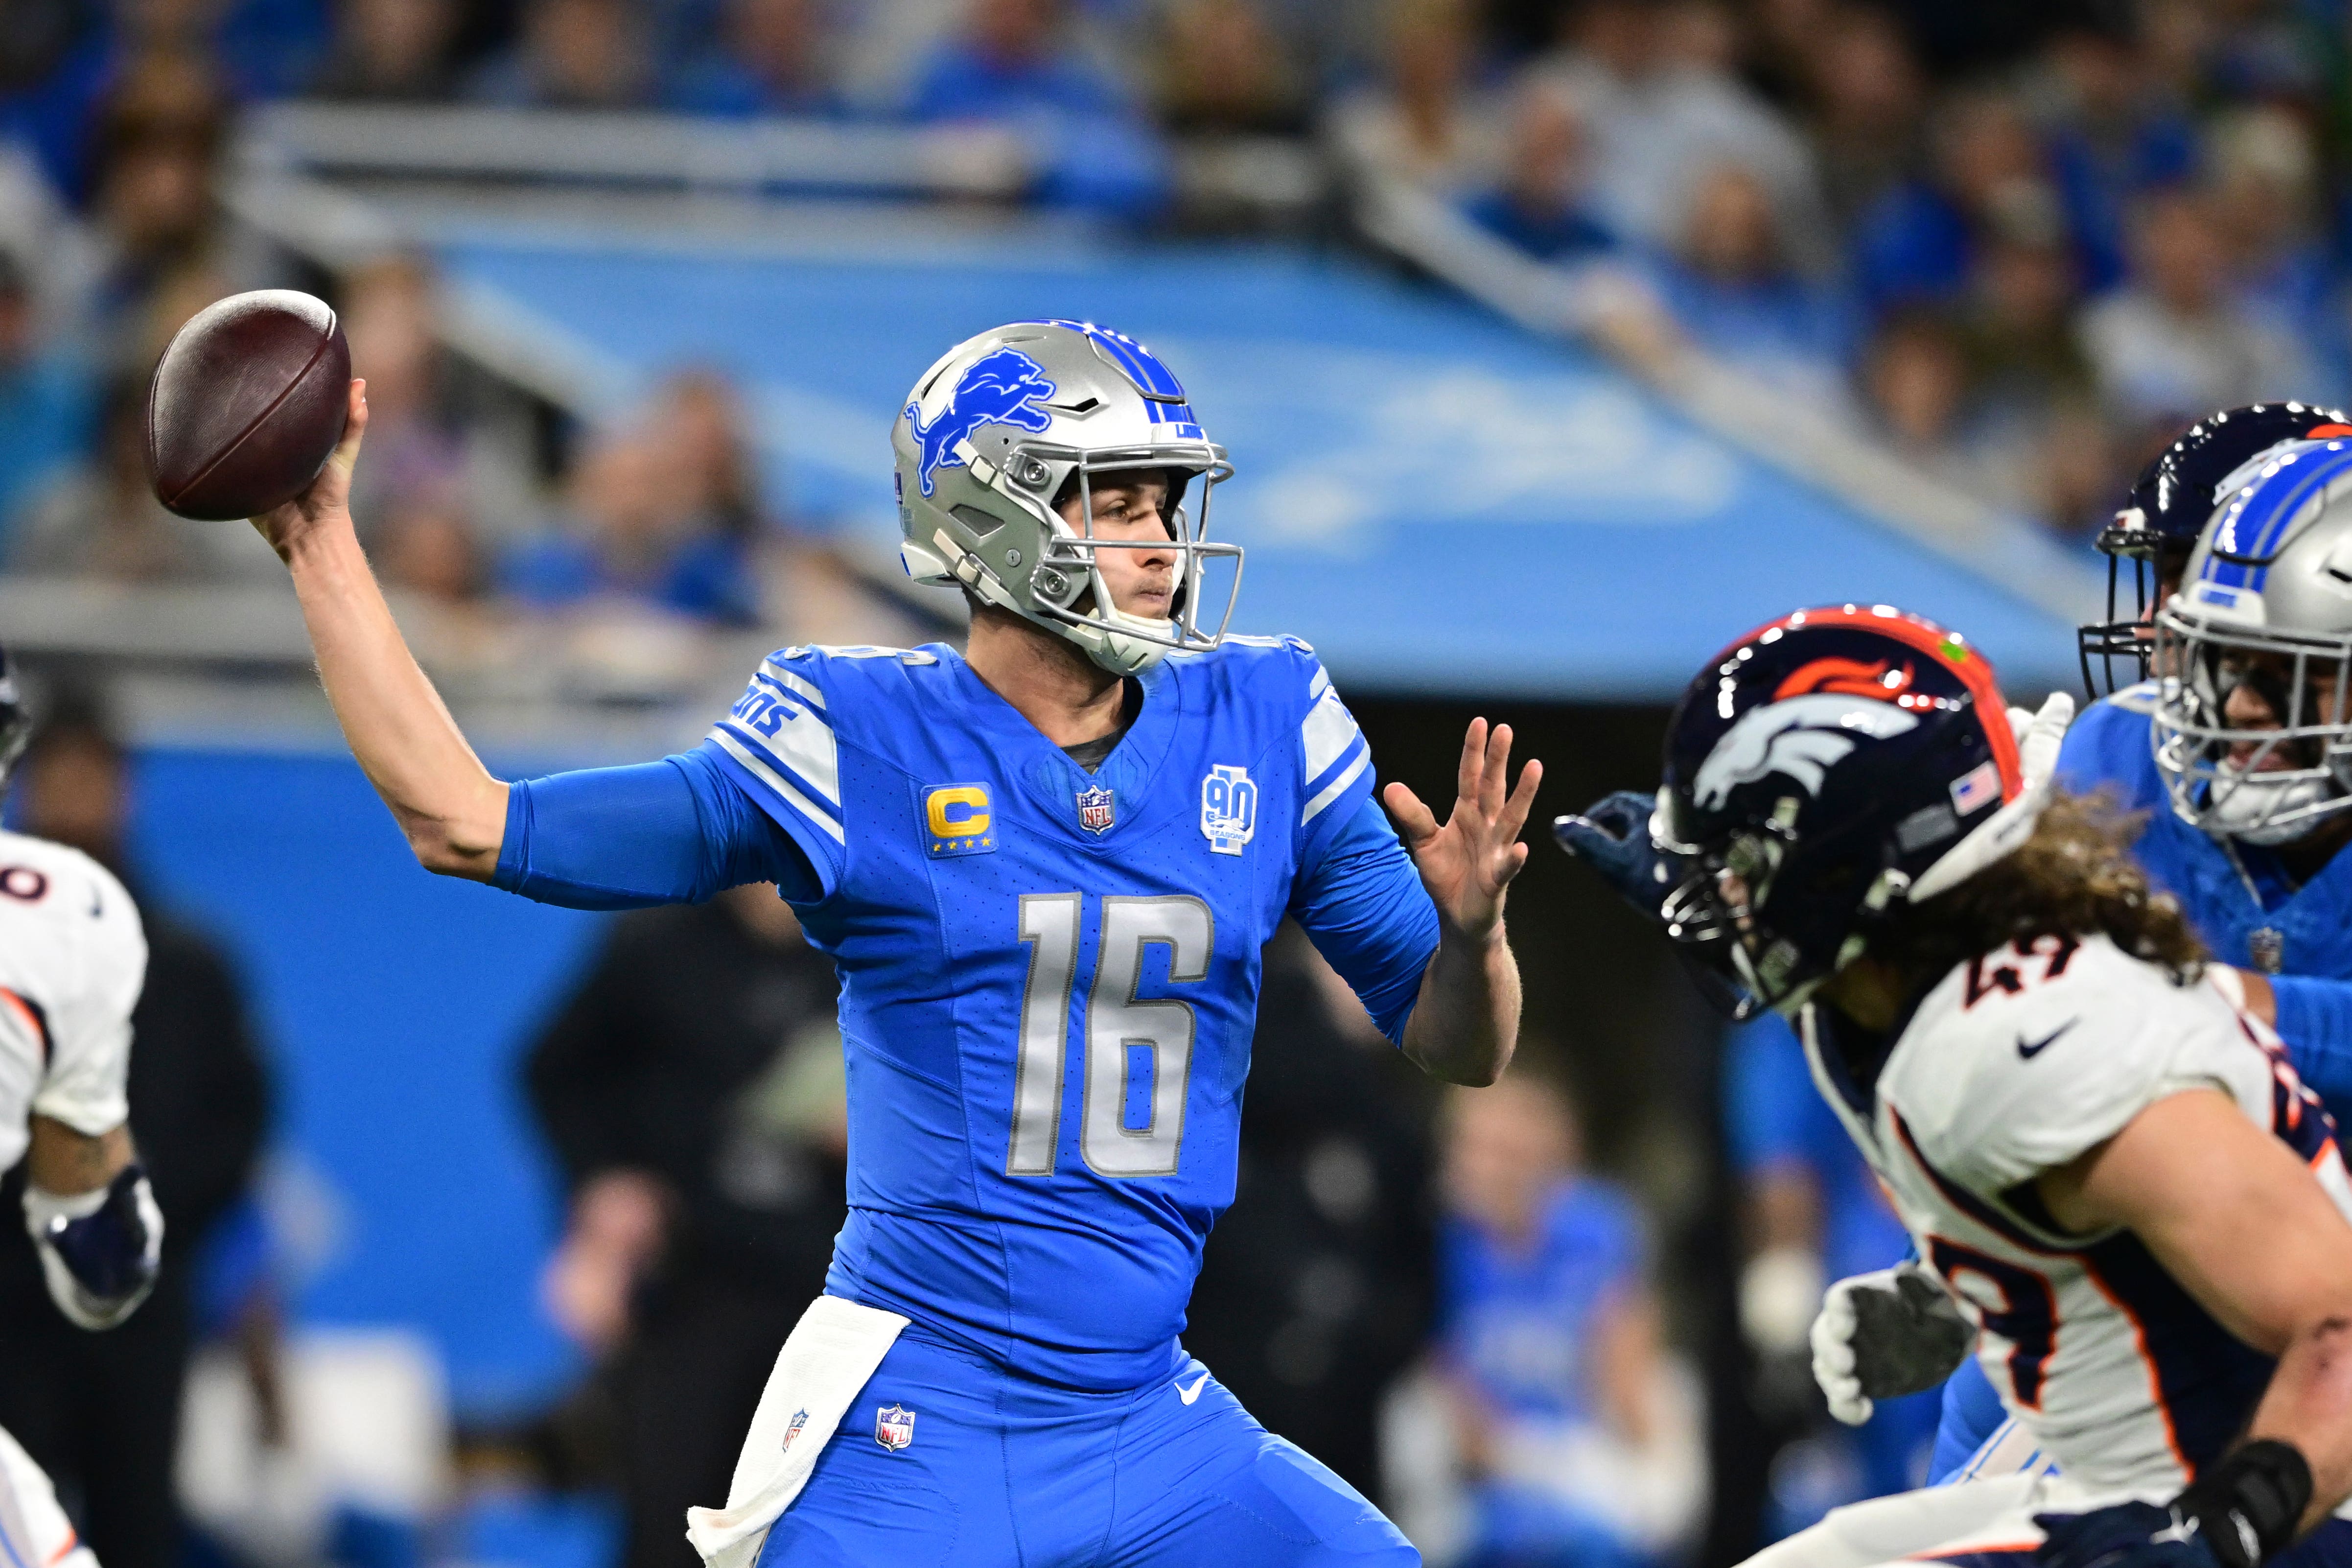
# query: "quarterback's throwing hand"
{"type": "Point", "coordinates": [1469, 862]}
{"type": "Point", "coordinates": [329, 495]}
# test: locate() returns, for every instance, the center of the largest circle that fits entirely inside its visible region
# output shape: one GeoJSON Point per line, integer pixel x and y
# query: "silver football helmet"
{"type": "Point", "coordinates": [1010, 423]}
{"type": "Point", "coordinates": [2266, 605]}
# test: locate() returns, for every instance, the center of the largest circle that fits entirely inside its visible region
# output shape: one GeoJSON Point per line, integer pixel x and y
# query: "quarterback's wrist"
{"type": "Point", "coordinates": [319, 545]}
{"type": "Point", "coordinates": [2249, 1506]}
{"type": "Point", "coordinates": [1477, 935]}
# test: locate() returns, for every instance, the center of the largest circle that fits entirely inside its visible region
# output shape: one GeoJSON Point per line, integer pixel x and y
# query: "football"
{"type": "Point", "coordinates": [248, 401]}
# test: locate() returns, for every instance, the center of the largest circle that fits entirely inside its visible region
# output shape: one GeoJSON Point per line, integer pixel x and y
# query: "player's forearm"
{"type": "Point", "coordinates": [2309, 1405]}
{"type": "Point", "coordinates": [452, 811]}
{"type": "Point", "coordinates": [59, 1159]}
{"type": "Point", "coordinates": [1467, 1018]}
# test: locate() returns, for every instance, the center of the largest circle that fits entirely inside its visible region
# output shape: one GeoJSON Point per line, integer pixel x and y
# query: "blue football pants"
{"type": "Point", "coordinates": [998, 1471]}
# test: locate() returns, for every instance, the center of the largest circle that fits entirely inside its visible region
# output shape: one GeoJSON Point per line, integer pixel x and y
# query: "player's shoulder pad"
{"type": "Point", "coordinates": [2019, 1061]}
{"type": "Point", "coordinates": [2107, 746]}
{"type": "Point", "coordinates": [2118, 718]}
{"type": "Point", "coordinates": [1332, 750]}
{"type": "Point", "coordinates": [1278, 671]}
{"type": "Point", "coordinates": [62, 883]}
{"type": "Point", "coordinates": [93, 926]}
{"type": "Point", "coordinates": [786, 728]}
{"type": "Point", "coordinates": [851, 689]}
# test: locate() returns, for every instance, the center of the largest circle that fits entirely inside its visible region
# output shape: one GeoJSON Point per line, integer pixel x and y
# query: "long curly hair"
{"type": "Point", "coordinates": [2076, 876]}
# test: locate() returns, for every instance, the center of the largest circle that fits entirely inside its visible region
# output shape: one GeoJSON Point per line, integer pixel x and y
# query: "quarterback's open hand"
{"type": "Point", "coordinates": [1469, 862]}
{"type": "Point", "coordinates": [329, 494]}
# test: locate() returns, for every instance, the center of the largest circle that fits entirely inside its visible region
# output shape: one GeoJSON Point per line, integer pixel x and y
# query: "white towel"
{"type": "Point", "coordinates": [830, 1355]}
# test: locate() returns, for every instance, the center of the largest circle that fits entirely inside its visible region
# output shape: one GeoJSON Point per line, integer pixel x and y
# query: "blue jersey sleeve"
{"type": "Point", "coordinates": [1335, 768]}
{"type": "Point", "coordinates": [2315, 1019]}
{"type": "Point", "coordinates": [676, 831]}
{"type": "Point", "coordinates": [1363, 905]}
{"type": "Point", "coordinates": [777, 744]}
{"type": "Point", "coordinates": [1770, 1102]}
{"type": "Point", "coordinates": [1972, 1412]}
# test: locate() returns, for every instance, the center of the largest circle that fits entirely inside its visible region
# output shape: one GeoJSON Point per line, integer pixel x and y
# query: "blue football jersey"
{"type": "Point", "coordinates": [1049, 978]}
{"type": "Point", "coordinates": [2297, 931]}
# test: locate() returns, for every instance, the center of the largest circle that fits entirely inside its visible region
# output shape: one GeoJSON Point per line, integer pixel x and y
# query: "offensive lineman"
{"type": "Point", "coordinates": [2272, 899]}
{"type": "Point", "coordinates": [2111, 1167]}
{"type": "Point", "coordinates": [72, 958]}
{"type": "Point", "coordinates": [1045, 870]}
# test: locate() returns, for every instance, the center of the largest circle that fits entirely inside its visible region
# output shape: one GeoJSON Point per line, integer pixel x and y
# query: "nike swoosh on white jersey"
{"type": "Point", "coordinates": [1193, 1393]}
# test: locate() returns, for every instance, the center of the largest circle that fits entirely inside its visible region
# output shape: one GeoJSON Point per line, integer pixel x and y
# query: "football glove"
{"type": "Point", "coordinates": [2127, 1535]}
{"type": "Point", "coordinates": [2238, 1514]}
{"type": "Point", "coordinates": [2040, 735]}
{"type": "Point", "coordinates": [1885, 1334]}
{"type": "Point", "coordinates": [99, 1251]}
{"type": "Point", "coordinates": [1612, 837]}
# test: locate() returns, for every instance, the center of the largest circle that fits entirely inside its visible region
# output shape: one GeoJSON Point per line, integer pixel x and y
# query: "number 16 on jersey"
{"type": "Point", "coordinates": [1132, 1045]}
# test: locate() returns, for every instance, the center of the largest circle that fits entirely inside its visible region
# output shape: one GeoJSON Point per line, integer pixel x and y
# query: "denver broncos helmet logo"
{"type": "Point", "coordinates": [1800, 737]}
{"type": "Point", "coordinates": [997, 388]}
{"type": "Point", "coordinates": [1879, 680]}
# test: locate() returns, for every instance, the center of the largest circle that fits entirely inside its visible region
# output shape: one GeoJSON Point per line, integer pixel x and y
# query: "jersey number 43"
{"type": "Point", "coordinates": [1139, 1053]}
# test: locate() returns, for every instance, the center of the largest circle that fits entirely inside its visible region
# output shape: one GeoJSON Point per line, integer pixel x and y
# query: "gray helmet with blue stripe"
{"type": "Point", "coordinates": [2265, 604]}
{"type": "Point", "coordinates": [996, 432]}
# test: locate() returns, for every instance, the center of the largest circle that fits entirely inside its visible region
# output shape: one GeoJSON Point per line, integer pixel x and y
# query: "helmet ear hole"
{"type": "Point", "coordinates": [982, 523]}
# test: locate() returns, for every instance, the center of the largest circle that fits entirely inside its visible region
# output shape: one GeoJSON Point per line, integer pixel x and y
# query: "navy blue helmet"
{"type": "Point", "coordinates": [2157, 525]}
{"type": "Point", "coordinates": [1820, 772]}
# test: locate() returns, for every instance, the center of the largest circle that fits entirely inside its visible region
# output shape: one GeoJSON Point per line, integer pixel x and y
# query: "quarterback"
{"type": "Point", "coordinates": [73, 957]}
{"type": "Point", "coordinates": [1045, 869]}
{"type": "Point", "coordinates": [2109, 1167]}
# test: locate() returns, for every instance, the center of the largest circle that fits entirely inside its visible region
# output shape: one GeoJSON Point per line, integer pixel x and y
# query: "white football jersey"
{"type": "Point", "coordinates": [72, 960]}
{"type": "Point", "coordinates": [2016, 1063]}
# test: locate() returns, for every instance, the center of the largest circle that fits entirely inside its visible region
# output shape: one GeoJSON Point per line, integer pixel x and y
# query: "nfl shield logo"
{"type": "Point", "coordinates": [894, 1426]}
{"type": "Point", "coordinates": [1095, 810]}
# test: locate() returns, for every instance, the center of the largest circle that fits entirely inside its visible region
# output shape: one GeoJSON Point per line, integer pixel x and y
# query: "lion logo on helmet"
{"type": "Point", "coordinates": [997, 388]}
{"type": "Point", "coordinates": [1804, 735]}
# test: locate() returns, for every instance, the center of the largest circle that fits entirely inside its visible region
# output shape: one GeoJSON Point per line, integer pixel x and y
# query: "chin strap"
{"type": "Point", "coordinates": [2039, 736]}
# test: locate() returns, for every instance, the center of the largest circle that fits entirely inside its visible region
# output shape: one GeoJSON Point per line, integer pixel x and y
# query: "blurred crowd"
{"type": "Point", "coordinates": [2021, 244]}
{"type": "Point", "coordinates": [489, 511]}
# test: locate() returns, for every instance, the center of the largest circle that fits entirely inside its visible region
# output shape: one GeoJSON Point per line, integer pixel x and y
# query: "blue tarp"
{"type": "Point", "coordinates": [412, 1187]}
{"type": "Point", "coordinates": [1438, 501]}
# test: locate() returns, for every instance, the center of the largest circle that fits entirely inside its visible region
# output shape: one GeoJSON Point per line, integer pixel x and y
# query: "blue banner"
{"type": "Point", "coordinates": [1437, 501]}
